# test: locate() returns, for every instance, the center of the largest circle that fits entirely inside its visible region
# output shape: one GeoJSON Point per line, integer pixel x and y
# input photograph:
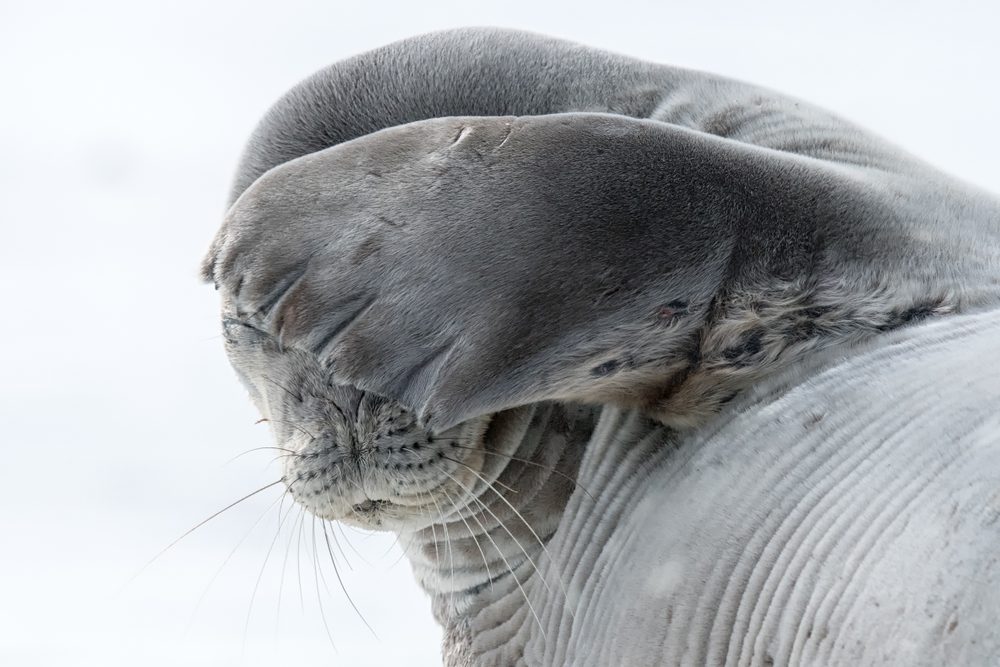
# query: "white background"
{"type": "Point", "coordinates": [120, 125]}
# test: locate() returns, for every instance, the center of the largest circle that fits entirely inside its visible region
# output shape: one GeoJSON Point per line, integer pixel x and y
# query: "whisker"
{"type": "Point", "coordinates": [527, 525]}
{"type": "Point", "coordinates": [229, 557]}
{"type": "Point", "coordinates": [257, 449]}
{"type": "Point", "coordinates": [466, 465]}
{"type": "Point", "coordinates": [341, 581]}
{"type": "Point", "coordinates": [284, 564]}
{"type": "Point", "coordinates": [300, 429]}
{"type": "Point", "coordinates": [197, 526]}
{"type": "Point", "coordinates": [447, 541]}
{"type": "Point", "coordinates": [317, 573]}
{"type": "Point", "coordinates": [472, 534]}
{"type": "Point", "coordinates": [296, 396]}
{"type": "Point", "coordinates": [298, 561]}
{"type": "Point", "coordinates": [516, 541]}
{"type": "Point", "coordinates": [510, 569]}
{"type": "Point", "coordinates": [256, 586]}
{"type": "Point", "coordinates": [405, 547]}
{"type": "Point", "coordinates": [335, 541]}
{"type": "Point", "coordinates": [533, 463]}
{"type": "Point", "coordinates": [394, 543]}
{"type": "Point", "coordinates": [347, 539]}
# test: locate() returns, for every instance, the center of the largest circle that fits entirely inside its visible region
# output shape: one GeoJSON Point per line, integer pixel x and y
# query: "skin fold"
{"type": "Point", "coordinates": [648, 366]}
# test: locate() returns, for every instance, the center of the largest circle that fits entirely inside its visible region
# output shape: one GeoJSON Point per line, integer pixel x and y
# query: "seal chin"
{"type": "Point", "coordinates": [371, 506]}
{"type": "Point", "coordinates": [377, 514]}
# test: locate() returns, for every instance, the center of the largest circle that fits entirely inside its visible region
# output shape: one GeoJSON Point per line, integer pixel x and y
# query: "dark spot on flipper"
{"type": "Point", "coordinates": [803, 330]}
{"type": "Point", "coordinates": [728, 398]}
{"type": "Point", "coordinates": [607, 368]}
{"type": "Point", "coordinates": [679, 306]}
{"type": "Point", "coordinates": [816, 312]}
{"type": "Point", "coordinates": [913, 314]}
{"type": "Point", "coordinates": [741, 354]}
{"type": "Point", "coordinates": [669, 312]}
{"type": "Point", "coordinates": [813, 420]}
{"type": "Point", "coordinates": [916, 313]}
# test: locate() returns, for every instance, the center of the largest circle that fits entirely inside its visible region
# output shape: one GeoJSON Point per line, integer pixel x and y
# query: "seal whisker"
{"type": "Point", "coordinates": [229, 556]}
{"type": "Point", "coordinates": [298, 561]}
{"type": "Point", "coordinates": [256, 586]}
{"type": "Point", "coordinates": [287, 423]}
{"type": "Point", "coordinates": [466, 465]}
{"type": "Point", "coordinates": [524, 551]}
{"type": "Point", "coordinates": [199, 525]}
{"type": "Point", "coordinates": [351, 546]}
{"type": "Point", "coordinates": [472, 534]}
{"type": "Point", "coordinates": [296, 396]}
{"type": "Point", "coordinates": [527, 601]}
{"type": "Point", "coordinates": [340, 549]}
{"type": "Point", "coordinates": [284, 565]}
{"type": "Point", "coordinates": [447, 541]}
{"type": "Point", "coordinates": [527, 525]}
{"type": "Point", "coordinates": [574, 481]}
{"type": "Point", "coordinates": [317, 575]}
{"type": "Point", "coordinates": [288, 452]}
{"type": "Point", "coordinates": [343, 587]}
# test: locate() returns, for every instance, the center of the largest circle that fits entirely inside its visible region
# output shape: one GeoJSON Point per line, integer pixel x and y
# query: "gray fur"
{"type": "Point", "coordinates": [474, 232]}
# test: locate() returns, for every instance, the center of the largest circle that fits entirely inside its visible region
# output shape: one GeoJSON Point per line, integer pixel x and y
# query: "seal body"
{"type": "Point", "coordinates": [617, 346]}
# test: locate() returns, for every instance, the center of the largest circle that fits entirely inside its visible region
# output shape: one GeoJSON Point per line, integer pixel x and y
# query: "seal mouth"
{"type": "Point", "coordinates": [372, 506]}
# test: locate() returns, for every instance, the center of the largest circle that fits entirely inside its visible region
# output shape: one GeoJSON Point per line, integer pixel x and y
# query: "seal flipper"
{"type": "Point", "coordinates": [579, 262]}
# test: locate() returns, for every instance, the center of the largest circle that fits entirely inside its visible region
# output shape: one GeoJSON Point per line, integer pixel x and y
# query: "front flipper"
{"type": "Point", "coordinates": [467, 265]}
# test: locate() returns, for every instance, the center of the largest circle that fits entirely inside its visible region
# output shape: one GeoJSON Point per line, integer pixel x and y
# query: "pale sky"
{"type": "Point", "coordinates": [121, 125]}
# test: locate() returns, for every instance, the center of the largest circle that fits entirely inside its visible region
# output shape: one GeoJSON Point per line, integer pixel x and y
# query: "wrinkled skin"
{"type": "Point", "coordinates": [650, 367]}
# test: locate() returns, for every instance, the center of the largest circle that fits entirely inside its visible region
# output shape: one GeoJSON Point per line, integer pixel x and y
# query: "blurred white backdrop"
{"type": "Point", "coordinates": [121, 125]}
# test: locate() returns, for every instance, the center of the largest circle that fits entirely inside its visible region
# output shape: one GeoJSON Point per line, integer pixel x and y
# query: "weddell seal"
{"type": "Point", "coordinates": [500, 293]}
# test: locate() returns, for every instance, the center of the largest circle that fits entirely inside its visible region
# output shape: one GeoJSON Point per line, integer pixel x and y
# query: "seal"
{"type": "Point", "coordinates": [449, 263]}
